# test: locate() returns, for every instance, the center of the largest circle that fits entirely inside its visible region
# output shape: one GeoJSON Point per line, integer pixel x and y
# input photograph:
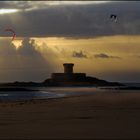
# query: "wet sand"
{"type": "Point", "coordinates": [98, 116]}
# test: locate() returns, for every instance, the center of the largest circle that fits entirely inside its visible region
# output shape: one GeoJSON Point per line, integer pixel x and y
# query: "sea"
{"type": "Point", "coordinates": [44, 93]}
{"type": "Point", "coordinates": [56, 92]}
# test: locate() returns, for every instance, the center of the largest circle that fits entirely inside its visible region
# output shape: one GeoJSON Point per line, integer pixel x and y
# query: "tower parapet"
{"type": "Point", "coordinates": [68, 67]}
{"type": "Point", "coordinates": [68, 75]}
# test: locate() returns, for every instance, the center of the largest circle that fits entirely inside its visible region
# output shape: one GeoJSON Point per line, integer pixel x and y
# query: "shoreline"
{"type": "Point", "coordinates": [92, 116]}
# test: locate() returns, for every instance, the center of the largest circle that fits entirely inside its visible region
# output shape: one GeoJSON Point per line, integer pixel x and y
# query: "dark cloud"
{"type": "Point", "coordinates": [88, 20]}
{"type": "Point", "coordinates": [22, 5]}
{"type": "Point", "coordinates": [28, 48]}
{"type": "Point", "coordinates": [105, 56]}
{"type": "Point", "coordinates": [7, 48]}
{"type": "Point", "coordinates": [23, 64]}
{"type": "Point", "coordinates": [79, 54]}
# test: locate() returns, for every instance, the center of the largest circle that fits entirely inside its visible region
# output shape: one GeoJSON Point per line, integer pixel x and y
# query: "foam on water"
{"type": "Point", "coordinates": [28, 95]}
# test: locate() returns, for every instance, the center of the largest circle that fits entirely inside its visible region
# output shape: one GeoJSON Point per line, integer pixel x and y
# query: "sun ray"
{"type": "Point", "coordinates": [6, 11]}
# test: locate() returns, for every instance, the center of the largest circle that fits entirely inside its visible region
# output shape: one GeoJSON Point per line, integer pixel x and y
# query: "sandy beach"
{"type": "Point", "coordinates": [91, 116]}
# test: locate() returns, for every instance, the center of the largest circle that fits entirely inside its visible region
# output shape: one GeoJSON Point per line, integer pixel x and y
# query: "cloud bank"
{"type": "Point", "coordinates": [105, 56]}
{"type": "Point", "coordinates": [41, 19]}
{"type": "Point", "coordinates": [23, 64]}
{"type": "Point", "coordinates": [79, 54]}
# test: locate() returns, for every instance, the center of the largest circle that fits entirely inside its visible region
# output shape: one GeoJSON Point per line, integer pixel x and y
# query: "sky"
{"type": "Point", "coordinates": [50, 33]}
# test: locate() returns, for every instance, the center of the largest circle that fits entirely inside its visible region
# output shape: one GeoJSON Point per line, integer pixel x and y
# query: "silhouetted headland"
{"type": "Point", "coordinates": [123, 88]}
{"type": "Point", "coordinates": [68, 78]}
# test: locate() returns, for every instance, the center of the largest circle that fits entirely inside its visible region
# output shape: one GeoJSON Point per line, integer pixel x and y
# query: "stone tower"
{"type": "Point", "coordinates": [68, 68]}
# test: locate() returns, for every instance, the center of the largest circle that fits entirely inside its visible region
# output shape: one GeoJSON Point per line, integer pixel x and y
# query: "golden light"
{"type": "Point", "coordinates": [51, 3]}
{"type": "Point", "coordinates": [6, 11]}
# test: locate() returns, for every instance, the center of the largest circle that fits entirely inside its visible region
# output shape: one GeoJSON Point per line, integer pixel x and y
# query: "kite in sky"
{"type": "Point", "coordinates": [113, 17]}
{"type": "Point", "coordinates": [10, 30]}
